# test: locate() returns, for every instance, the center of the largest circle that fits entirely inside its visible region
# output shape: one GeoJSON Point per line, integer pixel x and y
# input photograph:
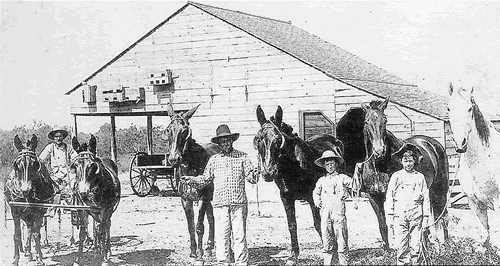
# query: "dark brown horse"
{"type": "Point", "coordinates": [97, 185]}
{"type": "Point", "coordinates": [288, 160]}
{"type": "Point", "coordinates": [190, 158]}
{"type": "Point", "coordinates": [366, 138]}
{"type": "Point", "coordinates": [28, 182]}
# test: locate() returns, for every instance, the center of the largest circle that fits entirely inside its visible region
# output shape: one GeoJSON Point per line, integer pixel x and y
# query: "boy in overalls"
{"type": "Point", "coordinates": [329, 195]}
{"type": "Point", "coordinates": [408, 206]}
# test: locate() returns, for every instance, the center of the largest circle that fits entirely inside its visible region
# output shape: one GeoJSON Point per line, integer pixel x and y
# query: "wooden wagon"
{"type": "Point", "coordinates": [145, 169]}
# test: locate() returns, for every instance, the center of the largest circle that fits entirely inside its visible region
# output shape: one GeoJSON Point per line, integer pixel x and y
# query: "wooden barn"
{"type": "Point", "coordinates": [230, 62]}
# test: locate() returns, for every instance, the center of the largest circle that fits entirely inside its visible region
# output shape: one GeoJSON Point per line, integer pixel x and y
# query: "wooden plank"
{"type": "Point", "coordinates": [58, 206]}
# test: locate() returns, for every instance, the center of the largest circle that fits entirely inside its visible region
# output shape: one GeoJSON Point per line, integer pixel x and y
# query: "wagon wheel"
{"type": "Point", "coordinates": [141, 180]}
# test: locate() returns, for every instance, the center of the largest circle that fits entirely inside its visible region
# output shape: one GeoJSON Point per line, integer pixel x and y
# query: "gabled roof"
{"type": "Point", "coordinates": [325, 57]}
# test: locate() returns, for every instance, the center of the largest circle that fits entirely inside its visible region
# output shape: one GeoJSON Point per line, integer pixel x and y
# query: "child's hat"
{"type": "Point", "coordinates": [408, 150]}
{"type": "Point", "coordinates": [329, 154]}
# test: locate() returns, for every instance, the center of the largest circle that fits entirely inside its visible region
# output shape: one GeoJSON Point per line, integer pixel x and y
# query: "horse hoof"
{"type": "Point", "coordinates": [105, 263]}
{"type": "Point", "coordinates": [290, 262]}
{"type": "Point", "coordinates": [192, 260]}
{"type": "Point", "coordinates": [199, 263]}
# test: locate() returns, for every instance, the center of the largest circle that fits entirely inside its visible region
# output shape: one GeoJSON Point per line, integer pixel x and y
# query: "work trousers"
{"type": "Point", "coordinates": [231, 219]}
{"type": "Point", "coordinates": [408, 233]}
{"type": "Point", "coordinates": [334, 233]}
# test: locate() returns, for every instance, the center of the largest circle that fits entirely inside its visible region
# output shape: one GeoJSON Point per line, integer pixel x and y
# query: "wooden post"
{"type": "Point", "coordinates": [75, 127]}
{"type": "Point", "coordinates": [114, 149]}
{"type": "Point", "coordinates": [149, 128]}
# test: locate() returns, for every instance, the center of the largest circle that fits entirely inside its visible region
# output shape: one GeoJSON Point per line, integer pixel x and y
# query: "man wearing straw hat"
{"type": "Point", "coordinates": [408, 206]}
{"type": "Point", "coordinates": [329, 195]}
{"type": "Point", "coordinates": [228, 170]}
{"type": "Point", "coordinates": [57, 156]}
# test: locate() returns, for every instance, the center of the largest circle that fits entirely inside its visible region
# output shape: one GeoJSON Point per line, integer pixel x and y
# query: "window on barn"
{"type": "Point", "coordinates": [314, 122]}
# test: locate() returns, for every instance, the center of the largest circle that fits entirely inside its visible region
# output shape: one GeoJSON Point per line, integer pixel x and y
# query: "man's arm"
{"type": "Point", "coordinates": [201, 180]}
{"type": "Point", "coordinates": [45, 154]}
{"type": "Point", "coordinates": [251, 174]}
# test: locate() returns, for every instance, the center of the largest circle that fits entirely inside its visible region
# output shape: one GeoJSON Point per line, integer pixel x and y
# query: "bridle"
{"type": "Point", "coordinates": [188, 137]}
{"type": "Point", "coordinates": [270, 124]}
{"type": "Point", "coordinates": [15, 191]}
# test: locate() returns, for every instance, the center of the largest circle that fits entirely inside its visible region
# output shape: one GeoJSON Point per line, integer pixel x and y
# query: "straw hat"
{"type": "Point", "coordinates": [57, 130]}
{"type": "Point", "coordinates": [224, 131]}
{"type": "Point", "coordinates": [328, 154]}
{"type": "Point", "coordinates": [408, 150]}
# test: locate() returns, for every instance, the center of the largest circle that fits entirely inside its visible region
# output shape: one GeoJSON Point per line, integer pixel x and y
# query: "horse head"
{"type": "Point", "coordinates": [86, 167]}
{"type": "Point", "coordinates": [374, 129]}
{"type": "Point", "coordinates": [271, 142]}
{"type": "Point", "coordinates": [26, 165]}
{"type": "Point", "coordinates": [178, 134]}
{"type": "Point", "coordinates": [464, 115]}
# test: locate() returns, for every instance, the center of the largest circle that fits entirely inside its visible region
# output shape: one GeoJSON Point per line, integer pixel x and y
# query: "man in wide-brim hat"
{"type": "Point", "coordinates": [57, 155]}
{"type": "Point", "coordinates": [329, 195]}
{"type": "Point", "coordinates": [408, 206]}
{"type": "Point", "coordinates": [228, 171]}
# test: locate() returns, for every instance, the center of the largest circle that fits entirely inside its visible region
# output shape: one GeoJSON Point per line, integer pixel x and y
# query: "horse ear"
{"type": "Point", "coordinates": [92, 144]}
{"type": "Point", "coordinates": [279, 116]}
{"type": "Point", "coordinates": [187, 115]}
{"type": "Point", "coordinates": [18, 144]}
{"type": "Point", "coordinates": [75, 144]}
{"type": "Point", "coordinates": [34, 142]}
{"type": "Point", "coordinates": [261, 117]}
{"type": "Point", "coordinates": [170, 110]}
{"type": "Point", "coordinates": [383, 105]}
{"type": "Point", "coordinates": [450, 89]}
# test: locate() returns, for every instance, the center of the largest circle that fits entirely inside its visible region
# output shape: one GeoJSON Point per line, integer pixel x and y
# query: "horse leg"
{"type": "Point", "coordinates": [211, 228]}
{"type": "Point", "coordinates": [289, 204]}
{"type": "Point", "coordinates": [188, 210]}
{"type": "Point", "coordinates": [46, 240]}
{"type": "Point", "coordinates": [106, 236]}
{"type": "Point", "coordinates": [316, 216]}
{"type": "Point", "coordinates": [37, 225]}
{"type": "Point", "coordinates": [200, 230]}
{"type": "Point", "coordinates": [17, 237]}
{"type": "Point", "coordinates": [82, 235]}
{"type": "Point", "coordinates": [481, 212]}
{"type": "Point", "coordinates": [27, 248]}
{"type": "Point", "coordinates": [377, 202]}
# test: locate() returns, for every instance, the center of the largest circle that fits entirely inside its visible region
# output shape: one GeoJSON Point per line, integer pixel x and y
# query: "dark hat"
{"type": "Point", "coordinates": [223, 131]}
{"type": "Point", "coordinates": [408, 150]}
{"type": "Point", "coordinates": [57, 130]}
{"type": "Point", "coordinates": [329, 154]}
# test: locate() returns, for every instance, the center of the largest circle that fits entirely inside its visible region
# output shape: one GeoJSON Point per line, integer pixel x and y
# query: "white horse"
{"type": "Point", "coordinates": [478, 143]}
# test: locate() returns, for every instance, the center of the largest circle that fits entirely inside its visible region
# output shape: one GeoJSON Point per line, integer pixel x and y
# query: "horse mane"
{"type": "Point", "coordinates": [482, 126]}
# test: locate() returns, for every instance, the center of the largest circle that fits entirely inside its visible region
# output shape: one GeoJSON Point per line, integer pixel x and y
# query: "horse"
{"type": "Point", "coordinates": [190, 158]}
{"type": "Point", "coordinates": [478, 143]}
{"type": "Point", "coordinates": [29, 182]}
{"type": "Point", "coordinates": [288, 160]}
{"type": "Point", "coordinates": [97, 186]}
{"type": "Point", "coordinates": [367, 141]}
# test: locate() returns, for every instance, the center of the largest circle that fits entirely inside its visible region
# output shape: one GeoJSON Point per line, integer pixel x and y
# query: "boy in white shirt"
{"type": "Point", "coordinates": [329, 195]}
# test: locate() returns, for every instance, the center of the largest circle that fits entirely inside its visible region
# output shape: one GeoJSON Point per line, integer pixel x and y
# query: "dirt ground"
{"type": "Point", "coordinates": [153, 231]}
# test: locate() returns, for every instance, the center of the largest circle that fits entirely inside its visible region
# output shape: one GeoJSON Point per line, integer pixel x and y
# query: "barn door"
{"type": "Point", "coordinates": [314, 122]}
